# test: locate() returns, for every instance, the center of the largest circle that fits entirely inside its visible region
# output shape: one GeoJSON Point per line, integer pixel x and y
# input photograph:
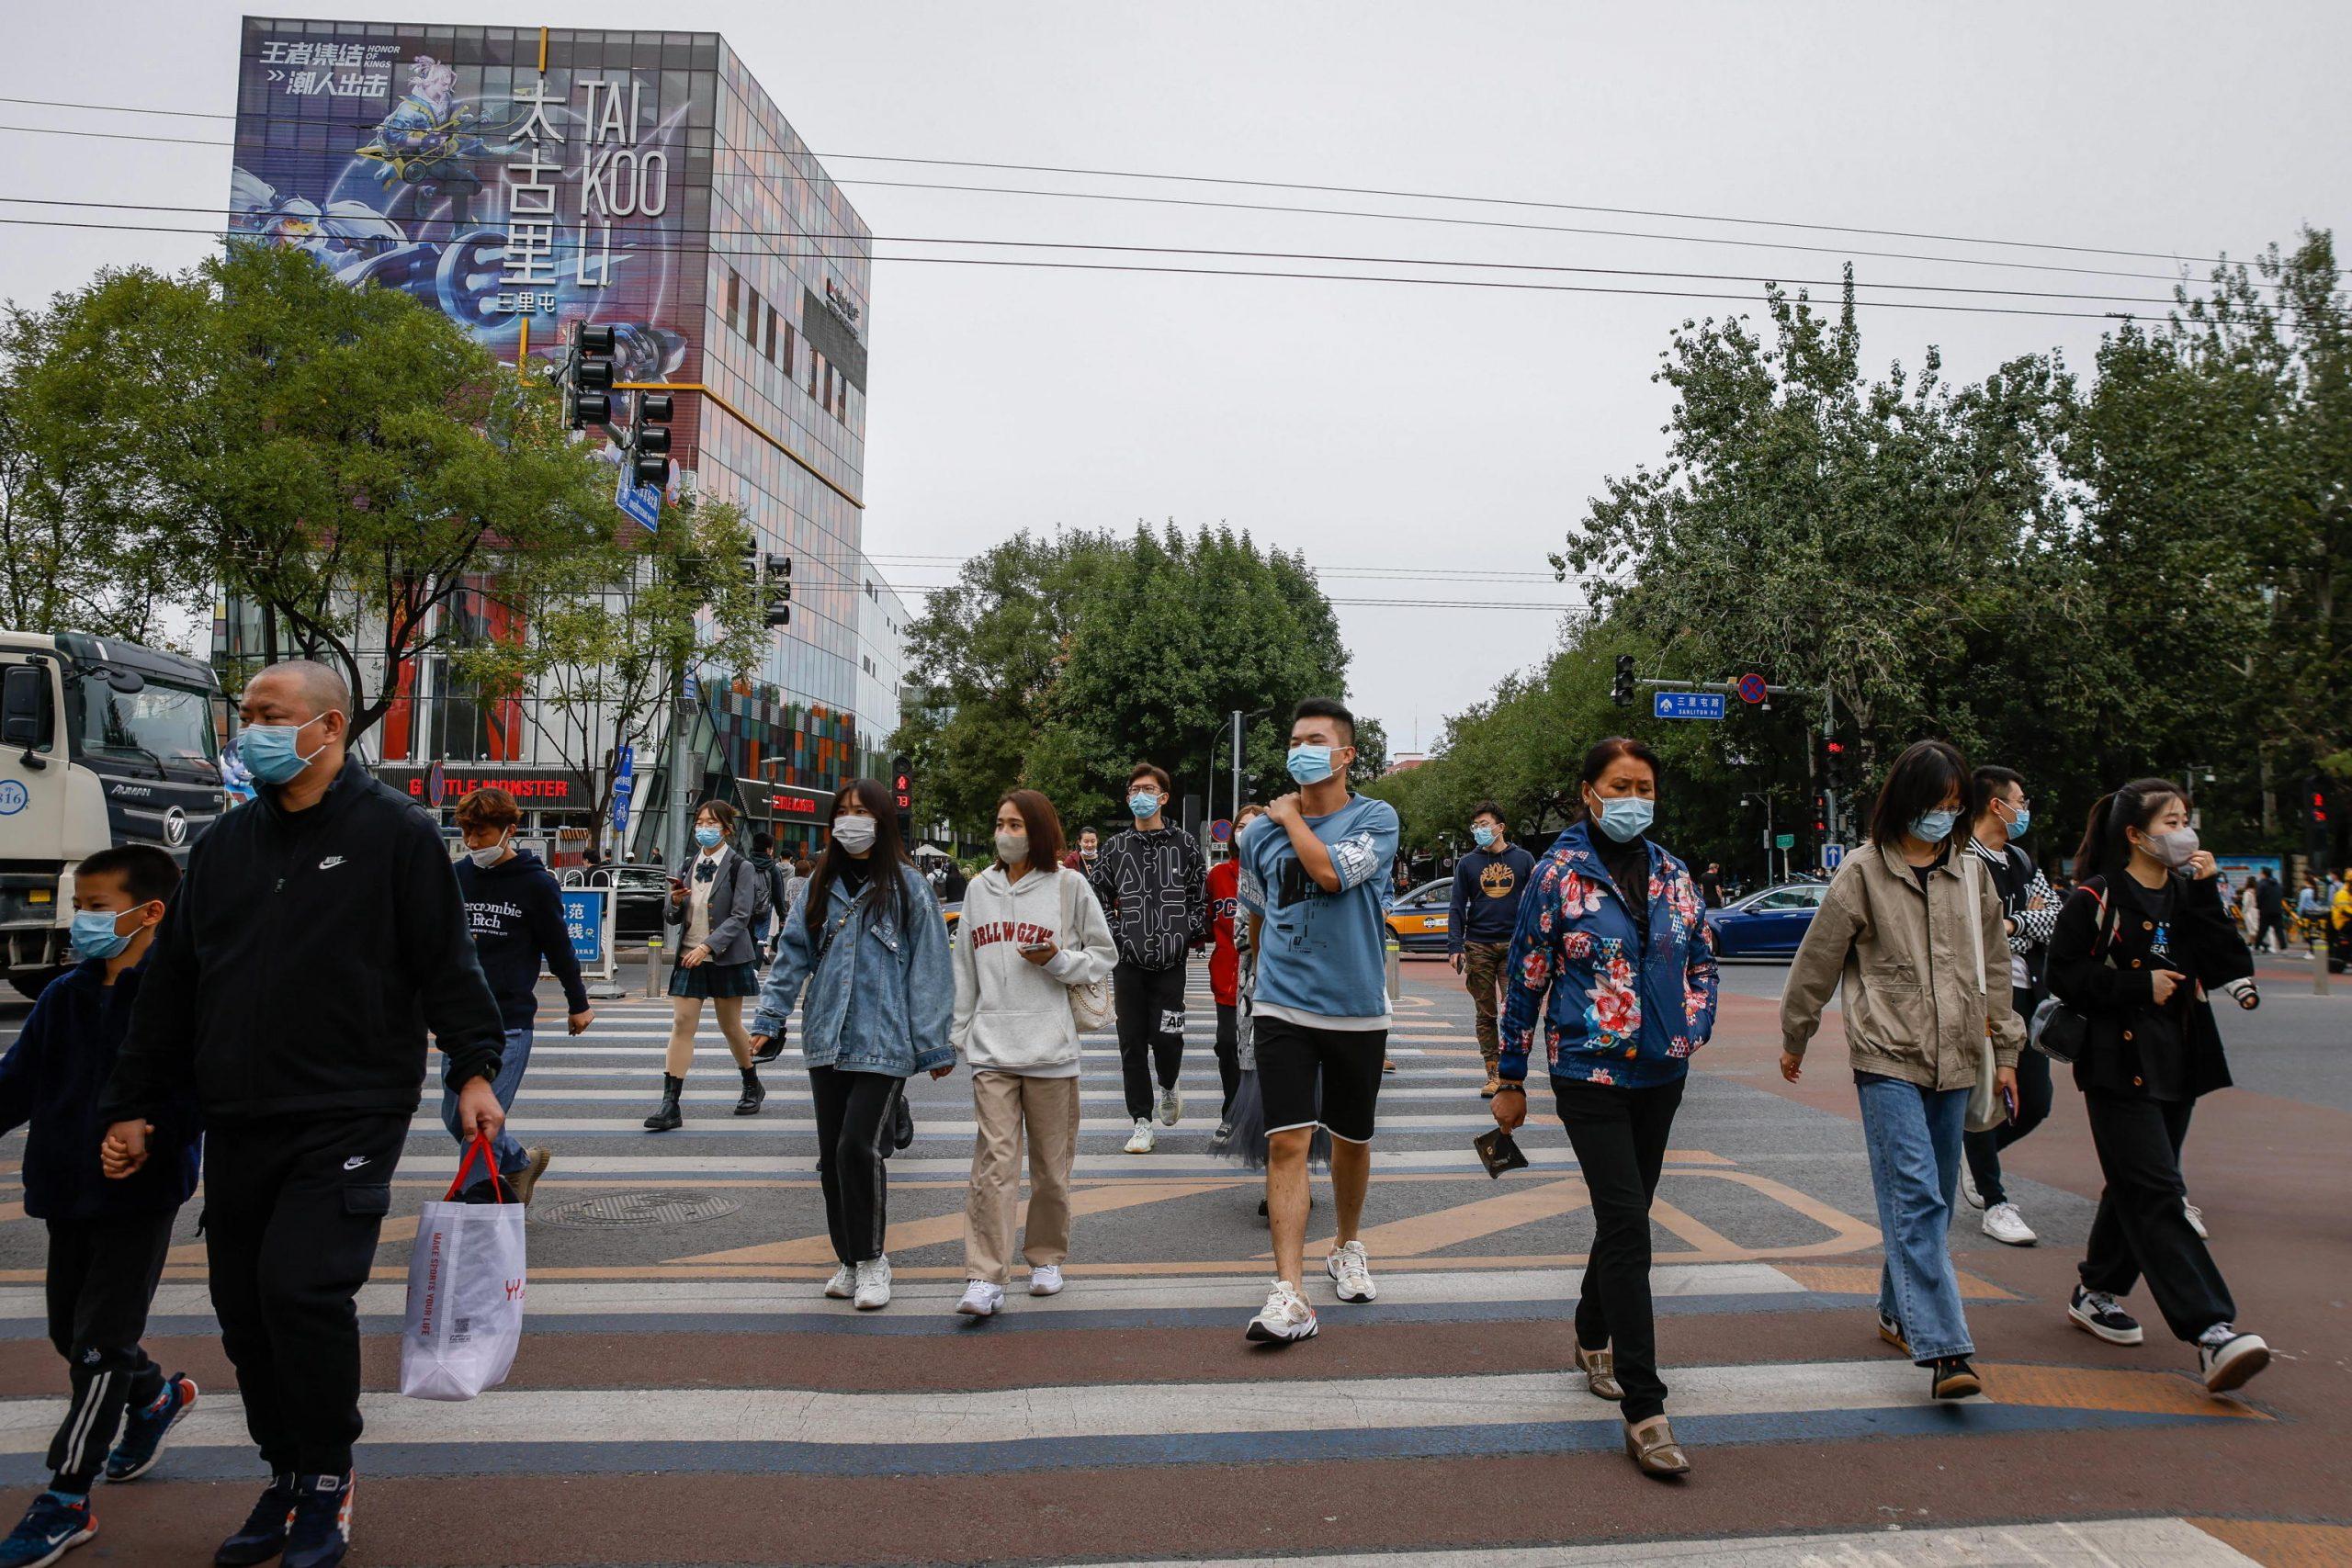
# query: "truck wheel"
{"type": "Point", "coordinates": [34, 983]}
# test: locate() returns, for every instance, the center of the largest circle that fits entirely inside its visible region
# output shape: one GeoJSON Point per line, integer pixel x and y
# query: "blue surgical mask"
{"type": "Point", "coordinates": [1309, 764]}
{"type": "Point", "coordinates": [2020, 822]}
{"type": "Point", "coordinates": [94, 935]}
{"type": "Point", "coordinates": [1143, 804]}
{"type": "Point", "coordinates": [707, 837]}
{"type": "Point", "coordinates": [1626, 816]}
{"type": "Point", "coordinates": [1934, 827]}
{"type": "Point", "coordinates": [1484, 835]}
{"type": "Point", "coordinates": [271, 751]}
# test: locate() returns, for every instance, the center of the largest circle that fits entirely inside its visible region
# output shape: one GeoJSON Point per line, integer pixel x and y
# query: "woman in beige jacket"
{"type": "Point", "coordinates": [1912, 931]}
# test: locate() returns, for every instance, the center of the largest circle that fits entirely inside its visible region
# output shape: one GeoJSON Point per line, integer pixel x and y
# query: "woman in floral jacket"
{"type": "Point", "coordinates": [1612, 957]}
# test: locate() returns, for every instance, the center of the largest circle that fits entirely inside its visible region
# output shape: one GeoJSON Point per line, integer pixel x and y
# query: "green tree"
{"type": "Point", "coordinates": [346, 460]}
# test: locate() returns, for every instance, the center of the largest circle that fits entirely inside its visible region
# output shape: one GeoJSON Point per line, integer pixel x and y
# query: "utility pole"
{"type": "Point", "coordinates": [1236, 722]}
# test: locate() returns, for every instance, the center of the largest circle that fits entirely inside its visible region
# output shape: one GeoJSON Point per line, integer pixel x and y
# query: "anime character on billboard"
{"type": "Point", "coordinates": [424, 149]}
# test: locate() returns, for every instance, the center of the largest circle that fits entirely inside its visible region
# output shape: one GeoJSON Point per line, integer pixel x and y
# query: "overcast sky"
{"type": "Point", "coordinates": [1376, 427]}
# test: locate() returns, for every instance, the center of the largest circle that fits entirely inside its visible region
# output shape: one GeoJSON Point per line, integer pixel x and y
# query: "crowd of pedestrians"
{"type": "Point", "coordinates": [330, 911]}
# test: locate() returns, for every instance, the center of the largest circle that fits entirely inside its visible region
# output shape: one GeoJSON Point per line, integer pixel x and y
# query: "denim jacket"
{"type": "Point", "coordinates": [1611, 1014]}
{"type": "Point", "coordinates": [881, 999]}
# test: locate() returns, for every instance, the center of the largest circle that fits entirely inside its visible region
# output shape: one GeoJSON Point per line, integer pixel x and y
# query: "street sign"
{"type": "Point", "coordinates": [1221, 831]}
{"type": "Point", "coordinates": [1686, 704]}
{"type": "Point", "coordinates": [641, 504]}
{"type": "Point", "coordinates": [436, 786]}
{"type": "Point", "coordinates": [1832, 856]}
{"type": "Point", "coordinates": [624, 790]}
{"type": "Point", "coordinates": [591, 934]}
{"type": "Point", "coordinates": [1784, 840]}
{"type": "Point", "coordinates": [1752, 689]}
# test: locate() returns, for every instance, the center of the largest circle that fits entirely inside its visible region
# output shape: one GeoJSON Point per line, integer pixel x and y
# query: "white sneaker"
{"type": "Point", "coordinates": [1286, 1316]}
{"type": "Point", "coordinates": [2005, 1226]}
{"type": "Point", "coordinates": [1171, 1107]}
{"type": "Point", "coordinates": [1046, 1280]}
{"type": "Point", "coordinates": [873, 1284]}
{"type": "Point", "coordinates": [1968, 1187]}
{"type": "Point", "coordinates": [2196, 1219]}
{"type": "Point", "coordinates": [1143, 1139]}
{"type": "Point", "coordinates": [982, 1298]}
{"type": "Point", "coordinates": [1353, 1269]}
{"type": "Point", "coordinates": [2227, 1359]}
{"type": "Point", "coordinates": [844, 1284]}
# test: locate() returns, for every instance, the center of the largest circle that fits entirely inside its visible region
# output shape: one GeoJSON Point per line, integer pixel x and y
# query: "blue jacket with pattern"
{"type": "Point", "coordinates": [1611, 1012]}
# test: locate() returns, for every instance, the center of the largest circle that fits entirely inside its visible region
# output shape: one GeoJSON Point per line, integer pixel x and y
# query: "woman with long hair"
{"type": "Point", "coordinates": [1612, 961]}
{"type": "Point", "coordinates": [867, 941]}
{"type": "Point", "coordinates": [2139, 947]}
{"type": "Point", "coordinates": [717, 961]}
{"type": "Point", "coordinates": [1914, 933]}
{"type": "Point", "coordinates": [1030, 931]}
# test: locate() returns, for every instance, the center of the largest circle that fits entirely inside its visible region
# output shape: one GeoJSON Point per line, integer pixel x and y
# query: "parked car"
{"type": "Point", "coordinates": [1418, 919]}
{"type": "Point", "coordinates": [1767, 923]}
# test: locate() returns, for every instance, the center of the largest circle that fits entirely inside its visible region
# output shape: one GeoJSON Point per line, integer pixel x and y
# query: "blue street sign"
{"type": "Point", "coordinates": [583, 922]}
{"type": "Point", "coordinates": [641, 503]}
{"type": "Point", "coordinates": [1686, 704]}
{"type": "Point", "coordinates": [624, 788]}
{"type": "Point", "coordinates": [1832, 856]}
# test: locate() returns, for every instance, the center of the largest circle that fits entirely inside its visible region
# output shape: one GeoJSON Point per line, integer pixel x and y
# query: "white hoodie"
{"type": "Point", "coordinates": [1011, 1015]}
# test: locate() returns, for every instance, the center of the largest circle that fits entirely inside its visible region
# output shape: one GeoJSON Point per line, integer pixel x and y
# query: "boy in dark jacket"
{"type": "Point", "coordinates": [107, 1239]}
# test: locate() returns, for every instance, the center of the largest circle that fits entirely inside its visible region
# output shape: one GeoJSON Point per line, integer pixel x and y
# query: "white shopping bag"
{"type": "Point", "coordinates": [465, 1293]}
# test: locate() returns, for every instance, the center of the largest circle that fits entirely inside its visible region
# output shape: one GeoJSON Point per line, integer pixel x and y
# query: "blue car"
{"type": "Point", "coordinates": [1767, 923]}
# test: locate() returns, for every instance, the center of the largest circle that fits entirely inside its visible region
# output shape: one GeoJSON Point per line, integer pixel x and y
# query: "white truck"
{"type": "Point", "coordinates": [101, 743]}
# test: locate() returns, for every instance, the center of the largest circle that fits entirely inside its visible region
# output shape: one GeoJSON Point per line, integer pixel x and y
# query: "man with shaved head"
{"type": "Point", "coordinates": [318, 936]}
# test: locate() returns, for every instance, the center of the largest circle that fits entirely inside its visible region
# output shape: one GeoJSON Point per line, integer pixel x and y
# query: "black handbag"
{"type": "Point", "coordinates": [902, 1124]}
{"type": "Point", "coordinates": [2062, 1032]}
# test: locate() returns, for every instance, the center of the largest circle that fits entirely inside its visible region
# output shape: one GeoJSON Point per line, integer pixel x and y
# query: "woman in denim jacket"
{"type": "Point", "coordinates": [1612, 959]}
{"type": "Point", "coordinates": [869, 940]}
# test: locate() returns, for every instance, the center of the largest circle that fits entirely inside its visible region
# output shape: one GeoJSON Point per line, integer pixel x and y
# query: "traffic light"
{"type": "Point", "coordinates": [902, 794]}
{"type": "Point", "coordinates": [648, 457]}
{"type": "Point", "coordinates": [774, 581]}
{"type": "Point", "coordinates": [2315, 827]}
{"type": "Point", "coordinates": [587, 376]}
{"type": "Point", "coordinates": [1821, 813]}
{"type": "Point", "coordinates": [1622, 691]}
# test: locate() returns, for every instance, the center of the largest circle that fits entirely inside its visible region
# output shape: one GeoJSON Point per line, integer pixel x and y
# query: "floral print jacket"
{"type": "Point", "coordinates": [1610, 1013]}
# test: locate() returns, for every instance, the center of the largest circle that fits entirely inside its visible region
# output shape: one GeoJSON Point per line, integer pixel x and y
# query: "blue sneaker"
{"type": "Point", "coordinates": [263, 1535]}
{"type": "Point", "coordinates": [50, 1528]}
{"type": "Point", "coordinates": [322, 1530]}
{"type": "Point", "coordinates": [144, 1429]}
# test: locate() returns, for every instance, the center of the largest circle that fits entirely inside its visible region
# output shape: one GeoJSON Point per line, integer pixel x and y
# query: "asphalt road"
{"type": "Point", "coordinates": [684, 1394]}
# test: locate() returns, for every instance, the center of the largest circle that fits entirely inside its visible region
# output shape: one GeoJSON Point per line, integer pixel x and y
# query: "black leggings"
{"type": "Point", "coordinates": [1150, 1008]}
{"type": "Point", "coordinates": [1228, 1055]}
{"type": "Point", "coordinates": [853, 1140]}
{"type": "Point", "coordinates": [1620, 1138]}
{"type": "Point", "coordinates": [1984, 1149]}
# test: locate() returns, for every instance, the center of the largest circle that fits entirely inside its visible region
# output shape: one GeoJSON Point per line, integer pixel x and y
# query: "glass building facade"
{"type": "Point", "coordinates": [522, 180]}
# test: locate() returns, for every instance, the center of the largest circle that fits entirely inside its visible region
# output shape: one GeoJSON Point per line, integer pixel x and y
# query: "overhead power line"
{"type": "Point", "coordinates": [1541, 204]}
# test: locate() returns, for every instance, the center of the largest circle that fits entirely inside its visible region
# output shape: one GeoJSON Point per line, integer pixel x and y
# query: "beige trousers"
{"type": "Point", "coordinates": [1005, 1105]}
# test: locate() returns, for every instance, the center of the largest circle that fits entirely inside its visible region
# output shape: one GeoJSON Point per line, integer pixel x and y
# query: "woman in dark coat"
{"type": "Point", "coordinates": [2138, 948]}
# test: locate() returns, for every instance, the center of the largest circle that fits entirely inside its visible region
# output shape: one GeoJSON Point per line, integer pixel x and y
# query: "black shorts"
{"type": "Point", "coordinates": [1309, 1075]}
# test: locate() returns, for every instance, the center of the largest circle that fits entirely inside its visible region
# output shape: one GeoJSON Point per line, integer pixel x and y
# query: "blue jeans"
{"type": "Point", "coordinates": [517, 1056]}
{"type": "Point", "coordinates": [1914, 1135]}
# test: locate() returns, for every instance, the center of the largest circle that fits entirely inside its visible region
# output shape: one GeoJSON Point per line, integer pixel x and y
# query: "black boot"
{"type": "Point", "coordinates": [754, 1092]}
{"type": "Point", "coordinates": [668, 1118]}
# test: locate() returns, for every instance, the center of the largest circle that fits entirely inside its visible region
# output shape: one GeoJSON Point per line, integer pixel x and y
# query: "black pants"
{"type": "Point", "coordinates": [2270, 925]}
{"type": "Point", "coordinates": [1150, 1008]}
{"type": "Point", "coordinates": [853, 1117]}
{"type": "Point", "coordinates": [102, 1274]}
{"type": "Point", "coordinates": [2140, 1228]}
{"type": "Point", "coordinates": [292, 1209]}
{"type": "Point", "coordinates": [1984, 1149]}
{"type": "Point", "coordinates": [1228, 1055]}
{"type": "Point", "coordinates": [1620, 1138]}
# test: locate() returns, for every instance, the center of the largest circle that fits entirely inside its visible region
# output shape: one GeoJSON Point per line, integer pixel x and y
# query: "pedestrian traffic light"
{"type": "Point", "coordinates": [587, 376]}
{"type": "Point", "coordinates": [1821, 813]}
{"type": "Point", "coordinates": [2315, 827]}
{"type": "Point", "coordinates": [776, 589]}
{"type": "Point", "coordinates": [1833, 762]}
{"type": "Point", "coordinates": [647, 457]}
{"type": "Point", "coordinates": [1622, 691]}
{"type": "Point", "coordinates": [902, 794]}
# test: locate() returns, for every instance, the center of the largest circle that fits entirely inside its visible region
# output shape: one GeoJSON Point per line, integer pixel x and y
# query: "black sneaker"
{"type": "Point", "coordinates": [755, 1094]}
{"type": "Point", "coordinates": [2096, 1312]}
{"type": "Point", "coordinates": [50, 1528]}
{"type": "Point", "coordinates": [263, 1535]}
{"type": "Point", "coordinates": [321, 1533]}
{"type": "Point", "coordinates": [144, 1429]}
{"type": "Point", "coordinates": [2227, 1359]}
{"type": "Point", "coordinates": [1955, 1379]}
{"type": "Point", "coordinates": [1222, 1136]}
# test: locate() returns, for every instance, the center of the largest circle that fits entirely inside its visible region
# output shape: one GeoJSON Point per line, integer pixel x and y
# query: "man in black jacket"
{"type": "Point", "coordinates": [1153, 886]}
{"type": "Point", "coordinates": [317, 936]}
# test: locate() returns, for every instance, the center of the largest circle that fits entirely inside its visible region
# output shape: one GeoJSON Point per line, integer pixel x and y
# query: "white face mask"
{"type": "Point", "coordinates": [489, 856]}
{"type": "Point", "coordinates": [854, 834]}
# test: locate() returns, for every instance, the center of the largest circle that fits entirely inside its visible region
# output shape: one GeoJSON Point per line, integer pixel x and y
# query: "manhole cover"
{"type": "Point", "coordinates": [638, 1209]}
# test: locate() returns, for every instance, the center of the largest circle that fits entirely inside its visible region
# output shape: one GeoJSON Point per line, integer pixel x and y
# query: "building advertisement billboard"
{"type": "Point", "coordinates": [517, 181]}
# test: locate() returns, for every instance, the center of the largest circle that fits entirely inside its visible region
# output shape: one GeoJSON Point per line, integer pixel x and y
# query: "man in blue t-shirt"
{"type": "Point", "coordinates": [1314, 870]}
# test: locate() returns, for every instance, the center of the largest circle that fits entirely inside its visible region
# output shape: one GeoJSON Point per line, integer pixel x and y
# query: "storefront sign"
{"type": "Point", "coordinates": [792, 804]}
{"type": "Point", "coordinates": [533, 789]}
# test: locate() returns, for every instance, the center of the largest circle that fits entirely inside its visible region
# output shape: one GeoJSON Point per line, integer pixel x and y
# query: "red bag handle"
{"type": "Point", "coordinates": [481, 1145]}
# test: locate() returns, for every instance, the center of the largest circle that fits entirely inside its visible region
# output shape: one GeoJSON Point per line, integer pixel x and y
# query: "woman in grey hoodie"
{"type": "Point", "coordinates": [1030, 931]}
